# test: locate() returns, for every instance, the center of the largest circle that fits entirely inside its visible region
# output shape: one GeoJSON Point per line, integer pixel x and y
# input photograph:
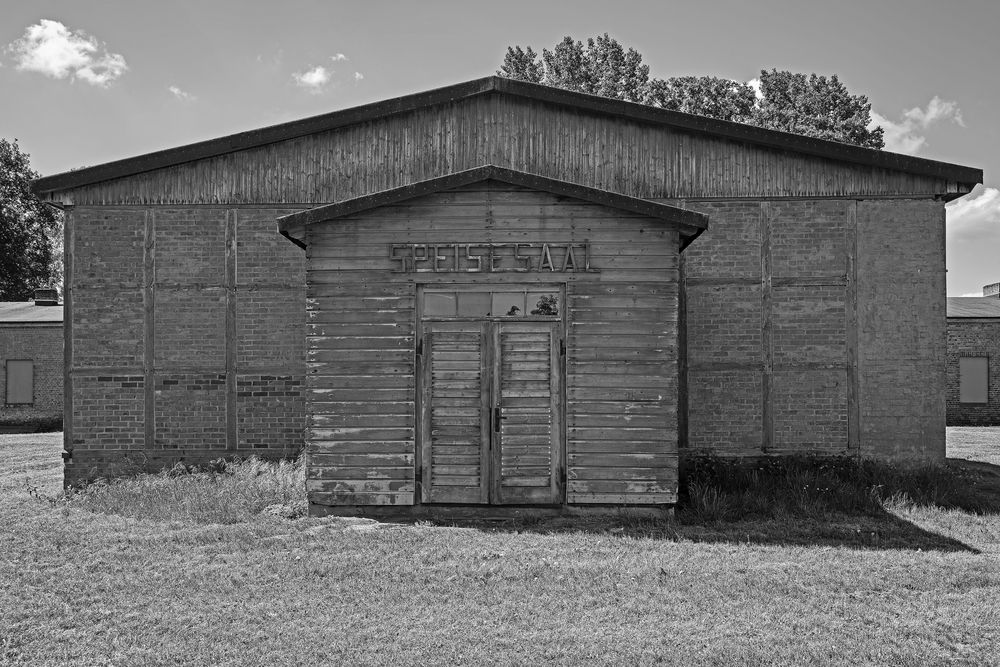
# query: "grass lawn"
{"type": "Point", "coordinates": [100, 581]}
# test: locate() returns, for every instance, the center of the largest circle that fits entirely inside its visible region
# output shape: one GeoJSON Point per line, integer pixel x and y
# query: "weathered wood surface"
{"type": "Point", "coordinates": [454, 413]}
{"type": "Point", "coordinates": [619, 370]}
{"type": "Point", "coordinates": [635, 158]}
{"type": "Point", "coordinates": [528, 462]}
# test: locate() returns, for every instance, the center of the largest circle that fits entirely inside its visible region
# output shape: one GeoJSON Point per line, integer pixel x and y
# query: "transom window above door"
{"type": "Point", "coordinates": [501, 302]}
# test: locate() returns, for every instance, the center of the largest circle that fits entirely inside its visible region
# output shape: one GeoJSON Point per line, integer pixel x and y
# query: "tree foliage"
{"type": "Point", "coordinates": [813, 106]}
{"type": "Point", "coordinates": [704, 96]}
{"type": "Point", "coordinates": [29, 230]}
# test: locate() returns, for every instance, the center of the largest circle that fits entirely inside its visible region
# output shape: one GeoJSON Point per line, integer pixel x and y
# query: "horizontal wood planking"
{"type": "Point", "coordinates": [620, 358]}
{"type": "Point", "coordinates": [621, 368]}
{"type": "Point", "coordinates": [648, 160]}
{"type": "Point", "coordinates": [360, 376]}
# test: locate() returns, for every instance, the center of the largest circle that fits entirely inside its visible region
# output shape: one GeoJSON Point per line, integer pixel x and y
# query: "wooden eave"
{"type": "Point", "coordinates": [952, 173]}
{"type": "Point", "coordinates": [689, 223]}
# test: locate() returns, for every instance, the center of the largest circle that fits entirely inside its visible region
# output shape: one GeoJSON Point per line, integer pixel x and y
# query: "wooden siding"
{"type": "Point", "coordinates": [621, 346]}
{"type": "Point", "coordinates": [616, 154]}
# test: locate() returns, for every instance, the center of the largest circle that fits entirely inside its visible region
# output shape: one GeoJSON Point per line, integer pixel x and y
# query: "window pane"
{"type": "Point", "coordinates": [508, 304]}
{"type": "Point", "coordinates": [439, 304]}
{"type": "Point", "coordinates": [543, 303]}
{"type": "Point", "coordinates": [473, 304]}
{"type": "Point", "coordinates": [20, 382]}
{"type": "Point", "coordinates": [973, 373]}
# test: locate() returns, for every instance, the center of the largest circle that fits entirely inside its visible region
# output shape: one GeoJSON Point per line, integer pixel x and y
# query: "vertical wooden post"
{"type": "Point", "coordinates": [851, 303]}
{"type": "Point", "coordinates": [68, 250]}
{"type": "Point", "coordinates": [767, 333]}
{"type": "Point", "coordinates": [682, 358]}
{"type": "Point", "coordinates": [232, 434]}
{"type": "Point", "coordinates": [149, 327]}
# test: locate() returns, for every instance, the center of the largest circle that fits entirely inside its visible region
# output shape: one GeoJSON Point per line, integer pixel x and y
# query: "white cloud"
{"type": "Point", "coordinates": [975, 216]}
{"type": "Point", "coordinates": [358, 76]}
{"type": "Point", "coordinates": [937, 109]}
{"type": "Point", "coordinates": [338, 57]}
{"type": "Point", "coordinates": [904, 136]}
{"type": "Point", "coordinates": [182, 95]}
{"type": "Point", "coordinates": [755, 84]}
{"type": "Point", "coordinates": [52, 49]}
{"type": "Point", "coordinates": [314, 79]}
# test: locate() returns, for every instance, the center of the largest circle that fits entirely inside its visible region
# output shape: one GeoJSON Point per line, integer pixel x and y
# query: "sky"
{"type": "Point", "coordinates": [83, 82]}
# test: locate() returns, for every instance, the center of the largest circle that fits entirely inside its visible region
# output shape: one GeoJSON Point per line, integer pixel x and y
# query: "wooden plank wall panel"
{"type": "Point", "coordinates": [621, 376]}
{"type": "Point", "coordinates": [360, 377]}
{"type": "Point", "coordinates": [621, 342]}
{"type": "Point", "coordinates": [642, 160]}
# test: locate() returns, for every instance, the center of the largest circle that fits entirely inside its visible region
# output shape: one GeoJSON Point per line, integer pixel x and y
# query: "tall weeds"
{"type": "Point", "coordinates": [714, 489]}
{"type": "Point", "coordinates": [226, 492]}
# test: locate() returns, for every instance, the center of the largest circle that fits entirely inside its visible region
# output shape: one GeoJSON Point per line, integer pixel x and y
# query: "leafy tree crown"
{"type": "Point", "coordinates": [30, 231]}
{"type": "Point", "coordinates": [812, 106]}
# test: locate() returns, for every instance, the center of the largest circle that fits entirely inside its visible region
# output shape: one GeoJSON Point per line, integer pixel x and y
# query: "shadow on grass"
{"type": "Point", "coordinates": [885, 531]}
{"type": "Point", "coordinates": [794, 501]}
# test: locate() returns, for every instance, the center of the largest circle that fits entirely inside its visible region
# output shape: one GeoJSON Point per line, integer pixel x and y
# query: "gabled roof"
{"type": "Point", "coordinates": [495, 84]}
{"type": "Point", "coordinates": [974, 306]}
{"type": "Point", "coordinates": [689, 223]}
{"type": "Point", "coordinates": [24, 312]}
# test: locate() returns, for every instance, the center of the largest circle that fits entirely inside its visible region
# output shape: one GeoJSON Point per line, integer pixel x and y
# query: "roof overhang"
{"type": "Point", "coordinates": [960, 175]}
{"type": "Point", "coordinates": [689, 223]}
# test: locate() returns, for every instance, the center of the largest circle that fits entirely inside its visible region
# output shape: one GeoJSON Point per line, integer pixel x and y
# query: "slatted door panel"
{"type": "Point", "coordinates": [455, 414]}
{"type": "Point", "coordinates": [527, 394]}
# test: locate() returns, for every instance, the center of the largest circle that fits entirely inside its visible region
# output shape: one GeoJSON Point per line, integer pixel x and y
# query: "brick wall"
{"type": "Point", "coordinates": [42, 344]}
{"type": "Point", "coordinates": [816, 326]}
{"type": "Point", "coordinates": [108, 411]}
{"type": "Point", "coordinates": [187, 338]}
{"type": "Point", "coordinates": [901, 308]}
{"type": "Point", "coordinates": [973, 338]}
{"type": "Point", "coordinates": [767, 318]}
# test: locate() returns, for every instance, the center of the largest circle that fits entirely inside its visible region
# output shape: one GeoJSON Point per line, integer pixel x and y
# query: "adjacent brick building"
{"type": "Point", "coordinates": [807, 317]}
{"type": "Point", "coordinates": [31, 360]}
{"type": "Point", "coordinates": [973, 390]}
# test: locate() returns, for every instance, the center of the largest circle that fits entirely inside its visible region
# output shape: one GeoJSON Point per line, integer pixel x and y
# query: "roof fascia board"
{"type": "Point", "coordinates": [639, 112]}
{"type": "Point", "coordinates": [689, 223]}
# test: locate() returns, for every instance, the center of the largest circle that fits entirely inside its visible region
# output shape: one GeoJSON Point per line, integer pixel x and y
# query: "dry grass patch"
{"type": "Point", "coordinates": [224, 492]}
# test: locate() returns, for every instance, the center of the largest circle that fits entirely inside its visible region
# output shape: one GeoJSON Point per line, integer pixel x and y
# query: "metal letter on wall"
{"type": "Point", "coordinates": [462, 257]}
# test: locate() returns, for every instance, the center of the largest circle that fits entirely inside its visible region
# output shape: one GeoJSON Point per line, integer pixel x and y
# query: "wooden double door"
{"type": "Point", "coordinates": [490, 411]}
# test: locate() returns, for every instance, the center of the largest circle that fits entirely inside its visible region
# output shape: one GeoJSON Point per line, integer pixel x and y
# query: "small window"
{"type": "Point", "coordinates": [543, 303]}
{"type": "Point", "coordinates": [20, 382]}
{"type": "Point", "coordinates": [439, 304]}
{"type": "Point", "coordinates": [474, 304]}
{"type": "Point", "coordinates": [974, 375]}
{"type": "Point", "coordinates": [508, 304]}
{"type": "Point", "coordinates": [492, 302]}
